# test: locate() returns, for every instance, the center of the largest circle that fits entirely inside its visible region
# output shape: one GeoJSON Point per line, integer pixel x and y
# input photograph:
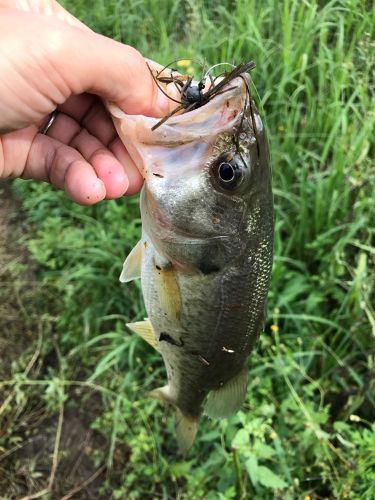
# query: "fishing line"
{"type": "Point", "coordinates": [215, 66]}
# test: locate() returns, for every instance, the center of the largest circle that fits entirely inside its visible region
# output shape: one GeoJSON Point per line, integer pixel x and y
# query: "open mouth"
{"type": "Point", "coordinates": [190, 95]}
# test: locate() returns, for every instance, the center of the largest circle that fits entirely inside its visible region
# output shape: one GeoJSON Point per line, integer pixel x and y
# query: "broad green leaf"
{"type": "Point", "coordinates": [263, 450]}
{"type": "Point", "coordinates": [268, 479]}
{"type": "Point", "coordinates": [179, 469]}
{"type": "Point", "coordinates": [251, 465]}
{"type": "Point", "coordinates": [241, 439]}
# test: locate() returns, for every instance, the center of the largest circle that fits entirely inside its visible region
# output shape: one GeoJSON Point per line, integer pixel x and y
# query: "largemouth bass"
{"type": "Point", "coordinates": [205, 255]}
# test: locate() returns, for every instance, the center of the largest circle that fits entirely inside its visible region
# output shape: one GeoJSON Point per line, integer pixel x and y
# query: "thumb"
{"type": "Point", "coordinates": [93, 63]}
{"type": "Point", "coordinates": [47, 7]}
{"type": "Point", "coordinates": [46, 60]}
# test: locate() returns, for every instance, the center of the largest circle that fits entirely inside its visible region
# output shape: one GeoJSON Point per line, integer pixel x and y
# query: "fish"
{"type": "Point", "coordinates": [206, 250]}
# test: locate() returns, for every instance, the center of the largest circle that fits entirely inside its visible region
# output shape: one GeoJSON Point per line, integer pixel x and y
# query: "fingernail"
{"type": "Point", "coordinates": [100, 187]}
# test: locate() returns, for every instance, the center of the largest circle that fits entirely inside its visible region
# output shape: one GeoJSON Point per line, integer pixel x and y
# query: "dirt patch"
{"type": "Point", "coordinates": [41, 448]}
{"type": "Point", "coordinates": [57, 455]}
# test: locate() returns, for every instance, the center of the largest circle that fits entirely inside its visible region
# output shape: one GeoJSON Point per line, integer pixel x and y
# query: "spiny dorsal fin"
{"type": "Point", "coordinates": [144, 329]}
{"type": "Point", "coordinates": [131, 269]}
{"type": "Point", "coordinates": [227, 400]}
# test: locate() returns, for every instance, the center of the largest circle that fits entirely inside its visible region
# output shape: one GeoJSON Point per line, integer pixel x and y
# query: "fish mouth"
{"type": "Point", "coordinates": [202, 125]}
{"type": "Point", "coordinates": [216, 116]}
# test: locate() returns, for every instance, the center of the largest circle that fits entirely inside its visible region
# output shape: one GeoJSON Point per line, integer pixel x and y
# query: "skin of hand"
{"type": "Point", "coordinates": [49, 60]}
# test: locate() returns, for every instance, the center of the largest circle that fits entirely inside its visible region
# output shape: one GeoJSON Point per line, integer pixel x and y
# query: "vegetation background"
{"type": "Point", "coordinates": [74, 419]}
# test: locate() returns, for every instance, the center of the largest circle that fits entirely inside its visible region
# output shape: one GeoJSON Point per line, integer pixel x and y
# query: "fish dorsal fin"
{"type": "Point", "coordinates": [145, 330]}
{"type": "Point", "coordinates": [227, 400]}
{"type": "Point", "coordinates": [131, 269]}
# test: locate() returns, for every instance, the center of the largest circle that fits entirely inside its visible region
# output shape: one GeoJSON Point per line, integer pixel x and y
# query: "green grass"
{"type": "Point", "coordinates": [306, 428]}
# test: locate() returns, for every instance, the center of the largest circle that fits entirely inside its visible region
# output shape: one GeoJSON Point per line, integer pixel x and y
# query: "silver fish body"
{"type": "Point", "coordinates": [206, 248]}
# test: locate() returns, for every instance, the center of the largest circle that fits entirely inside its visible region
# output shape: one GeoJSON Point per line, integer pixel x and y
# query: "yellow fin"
{"type": "Point", "coordinates": [131, 269]}
{"type": "Point", "coordinates": [227, 400]}
{"type": "Point", "coordinates": [168, 291]}
{"type": "Point", "coordinates": [144, 329]}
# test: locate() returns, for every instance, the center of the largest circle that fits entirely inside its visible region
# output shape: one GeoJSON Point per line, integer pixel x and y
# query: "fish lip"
{"type": "Point", "coordinates": [184, 128]}
{"type": "Point", "coordinates": [237, 86]}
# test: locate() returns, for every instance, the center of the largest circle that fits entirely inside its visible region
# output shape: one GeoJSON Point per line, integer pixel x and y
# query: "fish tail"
{"type": "Point", "coordinates": [186, 430]}
{"type": "Point", "coordinates": [186, 425]}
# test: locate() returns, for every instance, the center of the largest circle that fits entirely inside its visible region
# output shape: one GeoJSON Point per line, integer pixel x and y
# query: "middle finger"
{"type": "Point", "coordinates": [89, 112]}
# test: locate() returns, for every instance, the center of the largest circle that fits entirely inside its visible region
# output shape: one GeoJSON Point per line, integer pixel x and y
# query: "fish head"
{"type": "Point", "coordinates": [205, 172]}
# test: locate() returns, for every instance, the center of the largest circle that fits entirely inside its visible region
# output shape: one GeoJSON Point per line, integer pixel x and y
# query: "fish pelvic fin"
{"type": "Point", "coordinates": [131, 269]}
{"type": "Point", "coordinates": [145, 330]}
{"type": "Point", "coordinates": [186, 430]}
{"type": "Point", "coordinates": [224, 402]}
{"type": "Point", "coordinates": [186, 426]}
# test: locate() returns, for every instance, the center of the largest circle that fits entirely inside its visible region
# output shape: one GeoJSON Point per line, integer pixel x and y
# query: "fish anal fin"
{"type": "Point", "coordinates": [145, 330]}
{"type": "Point", "coordinates": [162, 393]}
{"type": "Point", "coordinates": [227, 400]}
{"type": "Point", "coordinates": [131, 269]}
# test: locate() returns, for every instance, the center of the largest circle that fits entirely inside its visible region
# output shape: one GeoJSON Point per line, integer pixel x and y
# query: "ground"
{"type": "Point", "coordinates": [30, 433]}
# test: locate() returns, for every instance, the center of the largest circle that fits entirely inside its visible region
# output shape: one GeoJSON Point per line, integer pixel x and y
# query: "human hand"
{"type": "Point", "coordinates": [49, 60]}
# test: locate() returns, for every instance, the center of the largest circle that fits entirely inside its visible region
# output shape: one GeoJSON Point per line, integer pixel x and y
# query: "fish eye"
{"type": "Point", "coordinates": [228, 172]}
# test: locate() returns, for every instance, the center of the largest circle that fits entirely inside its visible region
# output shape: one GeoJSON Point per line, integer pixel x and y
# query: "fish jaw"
{"type": "Point", "coordinates": [187, 230]}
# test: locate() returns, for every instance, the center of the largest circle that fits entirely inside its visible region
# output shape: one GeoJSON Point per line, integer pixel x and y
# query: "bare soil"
{"type": "Point", "coordinates": [43, 453]}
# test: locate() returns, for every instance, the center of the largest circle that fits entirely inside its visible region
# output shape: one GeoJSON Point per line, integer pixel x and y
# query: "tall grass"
{"type": "Point", "coordinates": [306, 427]}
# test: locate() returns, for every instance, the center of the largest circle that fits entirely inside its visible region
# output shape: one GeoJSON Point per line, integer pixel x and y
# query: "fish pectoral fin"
{"type": "Point", "coordinates": [168, 291]}
{"type": "Point", "coordinates": [166, 284]}
{"type": "Point", "coordinates": [131, 269]}
{"type": "Point", "coordinates": [227, 400]}
{"type": "Point", "coordinates": [145, 330]}
{"type": "Point", "coordinates": [186, 430]}
{"type": "Point", "coordinates": [186, 426]}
